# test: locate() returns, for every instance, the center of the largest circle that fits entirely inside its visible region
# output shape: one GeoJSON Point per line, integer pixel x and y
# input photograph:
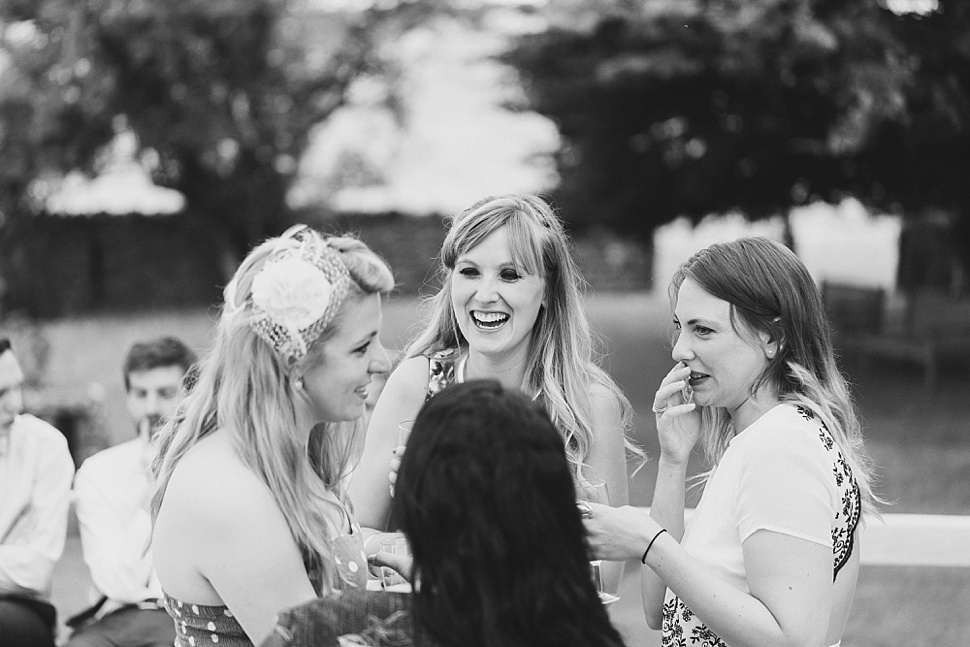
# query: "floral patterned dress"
{"type": "Point", "coordinates": [443, 371]}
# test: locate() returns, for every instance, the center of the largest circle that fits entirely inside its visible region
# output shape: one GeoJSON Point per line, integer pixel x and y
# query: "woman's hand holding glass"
{"type": "Point", "coordinates": [619, 534]}
{"type": "Point", "coordinates": [678, 418]}
{"type": "Point", "coordinates": [395, 563]}
{"type": "Point", "coordinates": [403, 431]}
{"type": "Point", "coordinates": [595, 492]}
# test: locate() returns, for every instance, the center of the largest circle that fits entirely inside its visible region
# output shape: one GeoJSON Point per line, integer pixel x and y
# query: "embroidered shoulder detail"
{"type": "Point", "coordinates": [848, 515]}
{"type": "Point", "coordinates": [441, 371]}
{"type": "Point", "coordinates": [682, 628]}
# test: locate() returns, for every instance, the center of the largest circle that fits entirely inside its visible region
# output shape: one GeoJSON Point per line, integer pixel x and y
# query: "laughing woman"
{"type": "Point", "coordinates": [509, 309]}
{"type": "Point", "coordinates": [250, 514]}
{"type": "Point", "coordinates": [771, 555]}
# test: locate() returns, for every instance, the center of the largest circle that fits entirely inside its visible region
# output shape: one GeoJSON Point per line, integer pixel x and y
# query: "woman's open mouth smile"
{"type": "Point", "coordinates": [489, 320]}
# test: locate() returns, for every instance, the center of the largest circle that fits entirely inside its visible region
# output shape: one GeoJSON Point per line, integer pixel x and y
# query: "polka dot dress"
{"type": "Point", "coordinates": [198, 625]}
{"type": "Point", "coordinates": [348, 556]}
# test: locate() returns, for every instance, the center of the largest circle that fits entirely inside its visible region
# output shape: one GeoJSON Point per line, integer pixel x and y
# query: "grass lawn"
{"type": "Point", "coordinates": [919, 439]}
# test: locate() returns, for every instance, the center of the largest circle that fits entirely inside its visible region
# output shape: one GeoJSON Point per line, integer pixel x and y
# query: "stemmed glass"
{"type": "Point", "coordinates": [403, 431]}
{"type": "Point", "coordinates": [596, 491]}
{"type": "Point", "coordinates": [391, 580]}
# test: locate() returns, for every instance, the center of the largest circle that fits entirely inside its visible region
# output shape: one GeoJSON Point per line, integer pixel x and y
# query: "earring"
{"type": "Point", "coordinates": [770, 353]}
{"type": "Point", "coordinates": [298, 383]}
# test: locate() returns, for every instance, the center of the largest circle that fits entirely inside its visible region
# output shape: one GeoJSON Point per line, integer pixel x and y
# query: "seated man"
{"type": "Point", "coordinates": [35, 492]}
{"type": "Point", "coordinates": [112, 493]}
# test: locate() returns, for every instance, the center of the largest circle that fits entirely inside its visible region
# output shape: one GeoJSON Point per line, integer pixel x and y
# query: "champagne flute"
{"type": "Point", "coordinates": [391, 580]}
{"type": "Point", "coordinates": [403, 431]}
{"type": "Point", "coordinates": [595, 491]}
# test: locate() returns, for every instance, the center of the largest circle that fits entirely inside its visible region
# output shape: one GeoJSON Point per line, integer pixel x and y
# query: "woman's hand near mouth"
{"type": "Point", "coordinates": [679, 422]}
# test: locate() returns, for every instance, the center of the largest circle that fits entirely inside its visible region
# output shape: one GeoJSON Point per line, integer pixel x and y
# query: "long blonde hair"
{"type": "Point", "coordinates": [244, 386]}
{"type": "Point", "coordinates": [771, 291]}
{"type": "Point", "coordinates": [561, 367]}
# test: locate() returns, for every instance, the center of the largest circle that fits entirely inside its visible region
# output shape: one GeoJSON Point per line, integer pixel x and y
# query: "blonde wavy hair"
{"type": "Point", "coordinates": [561, 366]}
{"type": "Point", "coordinates": [771, 291]}
{"type": "Point", "coordinates": [244, 387]}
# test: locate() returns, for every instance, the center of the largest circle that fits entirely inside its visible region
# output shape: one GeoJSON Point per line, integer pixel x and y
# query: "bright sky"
{"type": "Point", "coordinates": [454, 143]}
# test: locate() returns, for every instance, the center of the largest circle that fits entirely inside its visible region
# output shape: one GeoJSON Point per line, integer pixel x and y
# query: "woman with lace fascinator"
{"type": "Point", "coordinates": [249, 512]}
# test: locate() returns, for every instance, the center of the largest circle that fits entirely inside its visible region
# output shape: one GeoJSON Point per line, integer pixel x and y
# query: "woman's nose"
{"type": "Point", "coordinates": [487, 290]}
{"type": "Point", "coordinates": [381, 362]}
{"type": "Point", "coordinates": [682, 350]}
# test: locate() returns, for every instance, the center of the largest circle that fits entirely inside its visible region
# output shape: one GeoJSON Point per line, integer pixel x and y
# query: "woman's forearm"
{"type": "Point", "coordinates": [790, 592]}
{"type": "Point", "coordinates": [667, 509]}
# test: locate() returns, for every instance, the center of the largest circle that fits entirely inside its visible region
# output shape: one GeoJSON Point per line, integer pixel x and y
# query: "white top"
{"type": "Point", "coordinates": [111, 498]}
{"type": "Point", "coordinates": [35, 493]}
{"type": "Point", "coordinates": [784, 474]}
{"type": "Point", "coordinates": [775, 476]}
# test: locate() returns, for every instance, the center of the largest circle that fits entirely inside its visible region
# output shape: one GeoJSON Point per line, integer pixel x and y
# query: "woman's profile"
{"type": "Point", "coordinates": [250, 513]}
{"type": "Point", "coordinates": [771, 554]}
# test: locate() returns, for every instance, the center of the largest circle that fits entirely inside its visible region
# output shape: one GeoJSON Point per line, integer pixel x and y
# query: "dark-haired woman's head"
{"type": "Point", "coordinates": [486, 499]}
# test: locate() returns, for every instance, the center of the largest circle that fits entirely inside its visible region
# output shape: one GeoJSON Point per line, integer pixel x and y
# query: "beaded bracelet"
{"type": "Point", "coordinates": [643, 560]}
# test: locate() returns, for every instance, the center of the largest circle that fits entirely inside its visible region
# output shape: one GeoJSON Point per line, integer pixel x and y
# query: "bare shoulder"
{"type": "Point", "coordinates": [606, 406]}
{"type": "Point", "coordinates": [409, 381]}
{"type": "Point", "coordinates": [217, 515]}
{"type": "Point", "coordinates": [215, 490]}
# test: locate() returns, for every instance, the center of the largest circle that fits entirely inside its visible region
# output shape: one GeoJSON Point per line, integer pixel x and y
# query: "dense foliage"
{"type": "Point", "coordinates": [689, 108]}
{"type": "Point", "coordinates": [220, 94]}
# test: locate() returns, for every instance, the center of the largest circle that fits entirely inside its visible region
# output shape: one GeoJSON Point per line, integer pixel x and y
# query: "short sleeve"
{"type": "Point", "coordinates": [787, 486]}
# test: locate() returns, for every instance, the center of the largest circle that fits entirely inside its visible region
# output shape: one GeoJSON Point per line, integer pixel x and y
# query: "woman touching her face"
{"type": "Point", "coordinates": [771, 555]}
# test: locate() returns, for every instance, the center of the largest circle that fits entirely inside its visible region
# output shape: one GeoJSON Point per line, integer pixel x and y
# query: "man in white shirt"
{"type": "Point", "coordinates": [36, 469]}
{"type": "Point", "coordinates": [112, 494]}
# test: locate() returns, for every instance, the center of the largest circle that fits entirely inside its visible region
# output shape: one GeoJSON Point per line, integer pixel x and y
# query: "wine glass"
{"type": "Point", "coordinates": [595, 491]}
{"type": "Point", "coordinates": [391, 580]}
{"type": "Point", "coordinates": [403, 431]}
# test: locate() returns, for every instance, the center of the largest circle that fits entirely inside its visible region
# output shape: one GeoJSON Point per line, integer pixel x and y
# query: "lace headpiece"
{"type": "Point", "coordinates": [297, 293]}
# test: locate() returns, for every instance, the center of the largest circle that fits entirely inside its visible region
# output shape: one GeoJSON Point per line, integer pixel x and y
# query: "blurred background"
{"type": "Point", "coordinates": [145, 146]}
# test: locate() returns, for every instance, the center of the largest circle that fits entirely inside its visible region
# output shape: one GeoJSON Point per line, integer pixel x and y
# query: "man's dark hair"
{"type": "Point", "coordinates": [5, 345]}
{"type": "Point", "coordinates": [157, 353]}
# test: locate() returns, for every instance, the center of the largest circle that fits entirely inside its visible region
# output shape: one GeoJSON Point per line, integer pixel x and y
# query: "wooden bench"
{"type": "Point", "coordinates": [931, 325]}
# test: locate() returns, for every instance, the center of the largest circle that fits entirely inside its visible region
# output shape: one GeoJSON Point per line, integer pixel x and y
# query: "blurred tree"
{"type": "Point", "coordinates": [221, 95]}
{"type": "Point", "coordinates": [691, 108]}
{"type": "Point", "coordinates": [921, 161]}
